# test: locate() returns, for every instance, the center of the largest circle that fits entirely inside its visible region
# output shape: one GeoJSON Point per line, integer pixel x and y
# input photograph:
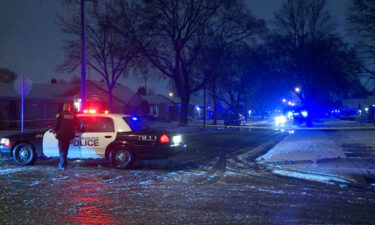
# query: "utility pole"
{"type": "Point", "coordinates": [204, 104]}
{"type": "Point", "coordinates": [83, 56]}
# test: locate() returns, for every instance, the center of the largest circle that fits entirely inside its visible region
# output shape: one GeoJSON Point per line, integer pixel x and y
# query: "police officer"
{"type": "Point", "coordinates": [66, 126]}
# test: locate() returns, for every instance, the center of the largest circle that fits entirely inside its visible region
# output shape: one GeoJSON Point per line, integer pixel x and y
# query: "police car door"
{"type": "Point", "coordinates": [99, 132]}
{"type": "Point", "coordinates": [51, 149]}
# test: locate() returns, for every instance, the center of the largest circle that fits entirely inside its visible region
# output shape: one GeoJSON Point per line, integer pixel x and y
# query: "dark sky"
{"type": "Point", "coordinates": [31, 42]}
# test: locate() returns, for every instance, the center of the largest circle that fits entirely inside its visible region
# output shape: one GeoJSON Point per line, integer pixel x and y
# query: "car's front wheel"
{"type": "Point", "coordinates": [24, 154]}
{"type": "Point", "coordinates": [120, 158]}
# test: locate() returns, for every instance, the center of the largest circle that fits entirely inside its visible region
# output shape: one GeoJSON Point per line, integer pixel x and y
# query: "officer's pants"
{"type": "Point", "coordinates": [63, 150]}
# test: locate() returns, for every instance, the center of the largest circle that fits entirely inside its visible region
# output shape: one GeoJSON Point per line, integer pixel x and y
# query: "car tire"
{"type": "Point", "coordinates": [24, 154]}
{"type": "Point", "coordinates": [121, 158]}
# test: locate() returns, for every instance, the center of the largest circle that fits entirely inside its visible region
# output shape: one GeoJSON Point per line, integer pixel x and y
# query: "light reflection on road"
{"type": "Point", "coordinates": [90, 204]}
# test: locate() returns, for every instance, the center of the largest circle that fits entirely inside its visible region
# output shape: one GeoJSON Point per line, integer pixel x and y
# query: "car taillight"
{"type": "Point", "coordinates": [164, 139]}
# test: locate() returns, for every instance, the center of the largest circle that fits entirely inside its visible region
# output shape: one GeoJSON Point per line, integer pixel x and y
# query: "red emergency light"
{"type": "Point", "coordinates": [91, 111]}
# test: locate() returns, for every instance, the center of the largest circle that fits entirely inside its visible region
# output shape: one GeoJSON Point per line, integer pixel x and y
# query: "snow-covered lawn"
{"type": "Point", "coordinates": [324, 155]}
{"type": "Point", "coordinates": [303, 145]}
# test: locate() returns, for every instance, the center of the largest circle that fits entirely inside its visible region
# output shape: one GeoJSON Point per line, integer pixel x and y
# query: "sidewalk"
{"type": "Point", "coordinates": [326, 156]}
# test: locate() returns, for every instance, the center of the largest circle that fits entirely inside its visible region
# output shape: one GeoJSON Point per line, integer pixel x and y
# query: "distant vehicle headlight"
{"type": "Point", "coordinates": [5, 142]}
{"type": "Point", "coordinates": [177, 139]}
{"type": "Point", "coordinates": [280, 120]}
{"type": "Point", "coordinates": [304, 113]}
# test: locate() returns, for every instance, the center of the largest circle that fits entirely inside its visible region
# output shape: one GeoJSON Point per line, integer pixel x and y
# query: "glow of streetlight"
{"type": "Point", "coordinates": [284, 100]}
{"type": "Point", "coordinates": [170, 94]}
{"type": "Point", "coordinates": [297, 89]}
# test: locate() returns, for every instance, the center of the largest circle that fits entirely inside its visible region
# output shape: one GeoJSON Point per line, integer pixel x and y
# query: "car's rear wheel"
{"type": "Point", "coordinates": [24, 154]}
{"type": "Point", "coordinates": [120, 158]}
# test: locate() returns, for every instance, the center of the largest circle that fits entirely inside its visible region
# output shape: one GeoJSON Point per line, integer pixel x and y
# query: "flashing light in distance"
{"type": "Point", "coordinates": [164, 139]}
{"type": "Point", "coordinates": [170, 94]}
{"type": "Point", "coordinates": [297, 89]}
{"type": "Point", "coordinates": [366, 109]}
{"type": "Point", "coordinates": [304, 113]}
{"type": "Point", "coordinates": [197, 108]}
{"type": "Point", "coordinates": [291, 103]}
{"type": "Point", "coordinates": [280, 120]}
{"type": "Point", "coordinates": [283, 100]}
{"type": "Point", "coordinates": [106, 111]}
{"type": "Point", "coordinates": [5, 142]}
{"type": "Point", "coordinates": [289, 114]}
{"type": "Point", "coordinates": [249, 112]}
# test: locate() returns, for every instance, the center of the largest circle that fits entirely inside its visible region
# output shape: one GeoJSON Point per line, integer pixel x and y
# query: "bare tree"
{"type": "Point", "coordinates": [232, 24]}
{"type": "Point", "coordinates": [362, 19]}
{"type": "Point", "coordinates": [7, 75]}
{"type": "Point", "coordinates": [108, 53]}
{"type": "Point", "coordinates": [309, 53]}
{"type": "Point", "coordinates": [171, 33]}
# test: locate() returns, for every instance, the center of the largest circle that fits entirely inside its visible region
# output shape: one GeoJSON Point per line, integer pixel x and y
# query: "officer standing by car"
{"type": "Point", "coordinates": [66, 126]}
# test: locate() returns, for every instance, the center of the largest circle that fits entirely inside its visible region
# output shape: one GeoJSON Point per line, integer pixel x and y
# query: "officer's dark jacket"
{"type": "Point", "coordinates": [66, 125]}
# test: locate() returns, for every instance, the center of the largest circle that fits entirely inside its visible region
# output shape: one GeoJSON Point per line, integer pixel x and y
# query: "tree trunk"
{"type": "Point", "coordinates": [184, 110]}
{"type": "Point", "coordinates": [110, 99]}
{"type": "Point", "coordinates": [215, 100]}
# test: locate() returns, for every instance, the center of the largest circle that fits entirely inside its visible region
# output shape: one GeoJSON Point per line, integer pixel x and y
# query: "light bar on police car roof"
{"type": "Point", "coordinates": [92, 111]}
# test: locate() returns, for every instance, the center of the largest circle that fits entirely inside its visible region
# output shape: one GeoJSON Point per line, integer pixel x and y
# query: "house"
{"type": "Point", "coordinates": [45, 100]}
{"type": "Point", "coordinates": [358, 103]}
{"type": "Point", "coordinates": [161, 107]}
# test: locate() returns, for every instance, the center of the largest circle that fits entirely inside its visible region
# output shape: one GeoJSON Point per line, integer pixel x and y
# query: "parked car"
{"type": "Point", "coordinates": [234, 119]}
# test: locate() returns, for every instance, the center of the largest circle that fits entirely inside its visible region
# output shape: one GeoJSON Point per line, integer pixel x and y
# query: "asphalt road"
{"type": "Point", "coordinates": [215, 181]}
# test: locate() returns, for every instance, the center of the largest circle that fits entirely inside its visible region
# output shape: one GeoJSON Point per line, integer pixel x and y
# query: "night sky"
{"type": "Point", "coordinates": [31, 41]}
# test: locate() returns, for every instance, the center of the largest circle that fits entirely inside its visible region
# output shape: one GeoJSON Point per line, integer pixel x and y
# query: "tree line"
{"type": "Point", "coordinates": [221, 46]}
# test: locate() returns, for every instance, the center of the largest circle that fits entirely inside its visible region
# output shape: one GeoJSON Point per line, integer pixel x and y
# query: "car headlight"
{"type": "Point", "coordinates": [177, 139]}
{"type": "Point", "coordinates": [5, 142]}
{"type": "Point", "coordinates": [280, 120]}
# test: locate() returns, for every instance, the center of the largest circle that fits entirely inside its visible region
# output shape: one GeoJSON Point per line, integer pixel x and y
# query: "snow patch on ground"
{"type": "Point", "coordinates": [324, 178]}
{"type": "Point", "coordinates": [12, 170]}
{"type": "Point", "coordinates": [303, 145]}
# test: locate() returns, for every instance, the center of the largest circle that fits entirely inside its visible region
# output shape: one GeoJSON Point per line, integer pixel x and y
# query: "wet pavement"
{"type": "Point", "coordinates": [215, 181]}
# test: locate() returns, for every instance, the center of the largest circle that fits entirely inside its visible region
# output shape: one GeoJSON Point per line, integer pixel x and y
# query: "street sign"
{"type": "Point", "coordinates": [23, 86]}
{"type": "Point", "coordinates": [27, 85]}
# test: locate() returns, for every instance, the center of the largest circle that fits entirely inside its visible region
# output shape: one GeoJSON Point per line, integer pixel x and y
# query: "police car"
{"type": "Point", "coordinates": [119, 138]}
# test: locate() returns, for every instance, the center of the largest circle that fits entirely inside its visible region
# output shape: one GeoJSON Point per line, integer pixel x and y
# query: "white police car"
{"type": "Point", "coordinates": [119, 138]}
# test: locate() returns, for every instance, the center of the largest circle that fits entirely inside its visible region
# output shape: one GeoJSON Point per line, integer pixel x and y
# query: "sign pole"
{"type": "Point", "coordinates": [22, 104]}
{"type": "Point", "coordinates": [83, 56]}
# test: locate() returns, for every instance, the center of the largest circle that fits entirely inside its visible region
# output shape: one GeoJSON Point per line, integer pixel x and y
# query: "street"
{"type": "Point", "coordinates": [215, 181]}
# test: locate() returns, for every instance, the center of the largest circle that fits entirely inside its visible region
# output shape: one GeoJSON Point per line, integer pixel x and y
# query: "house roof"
{"type": "Point", "coordinates": [121, 92]}
{"type": "Point", "coordinates": [65, 91]}
{"type": "Point", "coordinates": [158, 99]}
{"type": "Point", "coordinates": [38, 91]}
